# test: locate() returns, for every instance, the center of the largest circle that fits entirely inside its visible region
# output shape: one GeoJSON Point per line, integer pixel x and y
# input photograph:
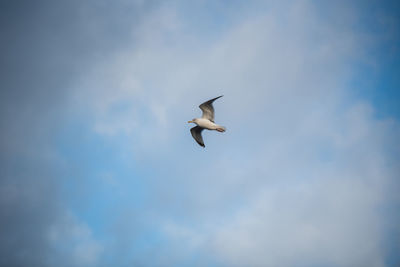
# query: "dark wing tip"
{"type": "Point", "coordinates": [196, 134]}
{"type": "Point", "coordinates": [209, 102]}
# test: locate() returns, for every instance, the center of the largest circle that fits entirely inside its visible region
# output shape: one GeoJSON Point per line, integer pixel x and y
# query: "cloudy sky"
{"type": "Point", "coordinates": [98, 167]}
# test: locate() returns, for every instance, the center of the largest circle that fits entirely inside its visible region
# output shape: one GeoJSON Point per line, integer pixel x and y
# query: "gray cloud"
{"type": "Point", "coordinates": [44, 47]}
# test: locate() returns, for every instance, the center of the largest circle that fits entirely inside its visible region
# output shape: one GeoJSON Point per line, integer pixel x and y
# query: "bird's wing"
{"type": "Point", "coordinates": [208, 109]}
{"type": "Point", "coordinates": [196, 133]}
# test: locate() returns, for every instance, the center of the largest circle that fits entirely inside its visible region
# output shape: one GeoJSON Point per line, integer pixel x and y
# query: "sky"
{"type": "Point", "coordinates": [98, 167]}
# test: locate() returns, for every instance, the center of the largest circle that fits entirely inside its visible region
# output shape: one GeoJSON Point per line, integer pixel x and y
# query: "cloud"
{"type": "Point", "coordinates": [71, 237]}
{"type": "Point", "coordinates": [300, 178]}
{"type": "Point", "coordinates": [303, 172]}
{"type": "Point", "coordinates": [315, 210]}
{"type": "Point", "coordinates": [45, 46]}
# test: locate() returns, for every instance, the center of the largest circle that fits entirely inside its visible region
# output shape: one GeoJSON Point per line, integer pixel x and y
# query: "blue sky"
{"type": "Point", "coordinates": [98, 167]}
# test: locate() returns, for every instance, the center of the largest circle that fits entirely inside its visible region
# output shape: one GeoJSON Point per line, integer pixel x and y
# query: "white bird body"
{"type": "Point", "coordinates": [205, 122]}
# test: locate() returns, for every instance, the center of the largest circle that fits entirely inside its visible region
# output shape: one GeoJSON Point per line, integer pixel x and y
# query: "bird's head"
{"type": "Point", "coordinates": [192, 121]}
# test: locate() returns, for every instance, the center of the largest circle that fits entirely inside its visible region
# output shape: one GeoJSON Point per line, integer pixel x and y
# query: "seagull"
{"type": "Point", "coordinates": [205, 122]}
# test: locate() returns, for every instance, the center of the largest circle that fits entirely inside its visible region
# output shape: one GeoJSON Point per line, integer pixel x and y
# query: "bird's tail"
{"type": "Point", "coordinates": [221, 129]}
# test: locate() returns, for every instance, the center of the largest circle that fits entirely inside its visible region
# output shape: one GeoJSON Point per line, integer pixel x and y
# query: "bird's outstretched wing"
{"type": "Point", "coordinates": [208, 109]}
{"type": "Point", "coordinates": [196, 133]}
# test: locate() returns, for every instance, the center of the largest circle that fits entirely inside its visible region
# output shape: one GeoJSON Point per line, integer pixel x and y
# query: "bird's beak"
{"type": "Point", "coordinates": [190, 121]}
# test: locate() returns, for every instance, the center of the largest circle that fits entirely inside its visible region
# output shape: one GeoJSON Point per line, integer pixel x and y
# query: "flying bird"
{"type": "Point", "coordinates": [205, 122]}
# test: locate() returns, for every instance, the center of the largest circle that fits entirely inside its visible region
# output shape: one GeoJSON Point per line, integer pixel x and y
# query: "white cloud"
{"type": "Point", "coordinates": [299, 176]}
{"type": "Point", "coordinates": [73, 241]}
{"type": "Point", "coordinates": [313, 197]}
